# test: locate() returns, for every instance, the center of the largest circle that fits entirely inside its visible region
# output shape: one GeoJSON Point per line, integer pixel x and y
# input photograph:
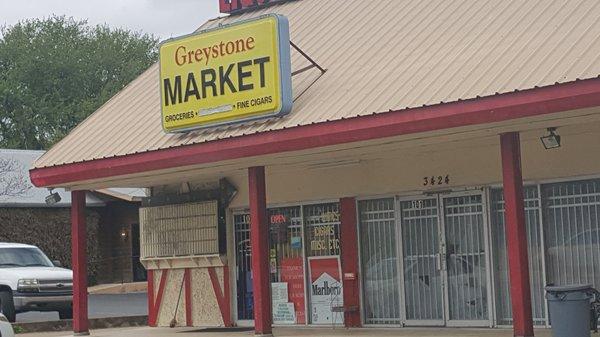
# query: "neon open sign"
{"type": "Point", "coordinates": [232, 6]}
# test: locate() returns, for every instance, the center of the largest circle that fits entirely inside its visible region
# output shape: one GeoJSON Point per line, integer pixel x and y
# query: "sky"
{"type": "Point", "coordinates": [162, 18]}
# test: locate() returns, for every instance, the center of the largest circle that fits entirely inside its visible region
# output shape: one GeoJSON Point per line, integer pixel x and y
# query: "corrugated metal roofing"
{"type": "Point", "coordinates": [381, 56]}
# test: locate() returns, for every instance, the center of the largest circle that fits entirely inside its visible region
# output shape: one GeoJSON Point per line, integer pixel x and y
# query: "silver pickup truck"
{"type": "Point", "coordinates": [29, 281]}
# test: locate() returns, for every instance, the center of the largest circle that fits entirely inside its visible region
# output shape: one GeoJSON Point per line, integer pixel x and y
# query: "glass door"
{"type": "Point", "coordinates": [465, 264]}
{"type": "Point", "coordinates": [444, 254]}
{"type": "Point", "coordinates": [423, 281]}
{"type": "Point", "coordinates": [244, 289]}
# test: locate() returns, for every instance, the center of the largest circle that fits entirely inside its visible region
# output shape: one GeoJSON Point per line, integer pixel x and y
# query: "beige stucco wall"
{"type": "Point", "coordinates": [205, 308]}
{"type": "Point", "coordinates": [170, 297]}
{"type": "Point", "coordinates": [469, 163]}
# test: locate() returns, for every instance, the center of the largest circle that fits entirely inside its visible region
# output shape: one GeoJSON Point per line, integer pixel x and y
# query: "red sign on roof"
{"type": "Point", "coordinates": [232, 6]}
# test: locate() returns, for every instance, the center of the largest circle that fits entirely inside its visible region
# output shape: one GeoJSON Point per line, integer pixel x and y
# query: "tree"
{"type": "Point", "coordinates": [55, 72]}
{"type": "Point", "coordinates": [14, 181]}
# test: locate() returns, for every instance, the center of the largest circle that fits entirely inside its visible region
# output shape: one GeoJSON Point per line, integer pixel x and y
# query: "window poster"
{"type": "Point", "coordinates": [326, 290]}
{"type": "Point", "coordinates": [283, 311]}
{"type": "Point", "coordinates": [279, 292]}
{"type": "Point", "coordinates": [292, 272]}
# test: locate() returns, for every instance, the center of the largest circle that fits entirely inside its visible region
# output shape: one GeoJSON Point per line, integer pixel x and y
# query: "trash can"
{"type": "Point", "coordinates": [570, 312]}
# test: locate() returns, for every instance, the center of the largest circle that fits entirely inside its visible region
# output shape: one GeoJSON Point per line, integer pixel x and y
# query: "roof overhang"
{"type": "Point", "coordinates": [502, 107]}
{"type": "Point", "coordinates": [118, 195]}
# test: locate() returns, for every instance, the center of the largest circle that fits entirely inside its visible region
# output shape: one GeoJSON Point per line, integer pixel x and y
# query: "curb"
{"type": "Point", "coordinates": [95, 324]}
{"type": "Point", "coordinates": [118, 288]}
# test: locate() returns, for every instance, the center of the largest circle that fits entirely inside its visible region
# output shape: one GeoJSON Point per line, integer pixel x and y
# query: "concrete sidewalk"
{"type": "Point", "coordinates": [295, 332]}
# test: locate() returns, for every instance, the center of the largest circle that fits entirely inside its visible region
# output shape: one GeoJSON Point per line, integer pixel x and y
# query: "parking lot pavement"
{"type": "Point", "coordinates": [295, 332]}
{"type": "Point", "coordinates": [100, 306]}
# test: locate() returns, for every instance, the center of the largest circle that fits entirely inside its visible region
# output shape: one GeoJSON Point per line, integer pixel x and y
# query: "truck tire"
{"type": "Point", "coordinates": [65, 313]}
{"type": "Point", "coordinates": [7, 306]}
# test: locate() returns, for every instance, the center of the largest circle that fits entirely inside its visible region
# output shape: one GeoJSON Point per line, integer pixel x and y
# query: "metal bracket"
{"type": "Point", "coordinates": [314, 64]}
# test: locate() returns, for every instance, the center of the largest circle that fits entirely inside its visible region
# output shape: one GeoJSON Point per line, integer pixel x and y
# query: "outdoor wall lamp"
{"type": "Point", "coordinates": [552, 141]}
{"type": "Point", "coordinates": [53, 198]}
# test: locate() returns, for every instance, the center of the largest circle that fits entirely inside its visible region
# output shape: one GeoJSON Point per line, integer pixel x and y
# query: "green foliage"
{"type": "Point", "coordinates": [49, 228]}
{"type": "Point", "coordinates": [57, 71]}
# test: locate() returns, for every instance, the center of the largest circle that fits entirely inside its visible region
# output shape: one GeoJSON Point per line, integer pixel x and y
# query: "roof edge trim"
{"type": "Point", "coordinates": [538, 101]}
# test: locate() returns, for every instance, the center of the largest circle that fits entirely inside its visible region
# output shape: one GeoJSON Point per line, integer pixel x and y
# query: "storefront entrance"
{"type": "Point", "coordinates": [443, 249]}
{"type": "Point", "coordinates": [436, 261]}
{"type": "Point", "coordinates": [444, 260]}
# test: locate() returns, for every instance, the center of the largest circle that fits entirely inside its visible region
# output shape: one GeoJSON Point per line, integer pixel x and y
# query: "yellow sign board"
{"type": "Point", "coordinates": [234, 73]}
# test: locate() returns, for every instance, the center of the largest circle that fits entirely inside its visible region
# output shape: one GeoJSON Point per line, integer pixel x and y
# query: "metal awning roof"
{"type": "Point", "coordinates": [380, 56]}
{"type": "Point", "coordinates": [32, 196]}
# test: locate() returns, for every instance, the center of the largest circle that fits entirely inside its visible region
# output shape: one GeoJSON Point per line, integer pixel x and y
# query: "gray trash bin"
{"type": "Point", "coordinates": [570, 312]}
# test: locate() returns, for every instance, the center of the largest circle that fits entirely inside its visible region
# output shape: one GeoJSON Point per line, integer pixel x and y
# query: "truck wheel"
{"type": "Point", "coordinates": [65, 313]}
{"type": "Point", "coordinates": [7, 306]}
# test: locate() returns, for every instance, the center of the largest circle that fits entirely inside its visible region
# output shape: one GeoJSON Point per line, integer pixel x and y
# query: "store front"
{"type": "Point", "coordinates": [429, 260]}
{"type": "Point", "coordinates": [451, 251]}
{"type": "Point", "coordinates": [383, 166]}
{"type": "Point", "coordinates": [440, 247]}
{"type": "Point", "coordinates": [439, 257]}
{"type": "Point", "coordinates": [309, 274]}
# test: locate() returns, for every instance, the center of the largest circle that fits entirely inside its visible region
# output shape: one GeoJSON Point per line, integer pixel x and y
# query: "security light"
{"type": "Point", "coordinates": [552, 141]}
{"type": "Point", "coordinates": [53, 198]}
{"type": "Point", "coordinates": [123, 233]}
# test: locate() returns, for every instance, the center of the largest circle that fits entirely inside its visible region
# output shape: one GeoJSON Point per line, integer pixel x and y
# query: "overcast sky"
{"type": "Point", "coordinates": [163, 18]}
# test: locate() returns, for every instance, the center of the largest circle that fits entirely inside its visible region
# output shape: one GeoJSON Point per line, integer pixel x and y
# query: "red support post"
{"type": "Point", "coordinates": [227, 296]}
{"type": "Point", "coordinates": [79, 263]}
{"type": "Point", "coordinates": [187, 278]}
{"type": "Point", "coordinates": [349, 251]}
{"type": "Point", "coordinates": [259, 242]}
{"type": "Point", "coordinates": [151, 315]}
{"type": "Point", "coordinates": [516, 234]}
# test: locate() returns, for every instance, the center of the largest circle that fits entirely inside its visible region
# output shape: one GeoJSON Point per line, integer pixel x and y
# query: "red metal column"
{"type": "Point", "coordinates": [79, 263]}
{"type": "Point", "coordinates": [259, 242]}
{"type": "Point", "coordinates": [349, 251]}
{"type": "Point", "coordinates": [187, 277]}
{"type": "Point", "coordinates": [516, 234]}
{"type": "Point", "coordinates": [151, 314]}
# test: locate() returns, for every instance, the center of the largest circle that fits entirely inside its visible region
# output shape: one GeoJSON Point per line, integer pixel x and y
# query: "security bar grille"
{"type": "Point", "coordinates": [572, 232]}
{"type": "Point", "coordinates": [323, 229]}
{"type": "Point", "coordinates": [286, 226]}
{"type": "Point", "coordinates": [379, 261]}
{"type": "Point", "coordinates": [422, 267]}
{"type": "Point", "coordinates": [243, 260]}
{"type": "Point", "coordinates": [500, 257]}
{"type": "Point", "coordinates": [465, 257]}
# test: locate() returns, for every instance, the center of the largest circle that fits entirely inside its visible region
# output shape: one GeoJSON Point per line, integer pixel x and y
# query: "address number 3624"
{"type": "Point", "coordinates": [436, 180]}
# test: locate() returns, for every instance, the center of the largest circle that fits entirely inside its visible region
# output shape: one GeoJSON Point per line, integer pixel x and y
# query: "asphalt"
{"type": "Point", "coordinates": [294, 332]}
{"type": "Point", "coordinates": [99, 306]}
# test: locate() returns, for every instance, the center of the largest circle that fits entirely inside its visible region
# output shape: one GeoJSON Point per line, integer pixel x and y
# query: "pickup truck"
{"type": "Point", "coordinates": [29, 281]}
